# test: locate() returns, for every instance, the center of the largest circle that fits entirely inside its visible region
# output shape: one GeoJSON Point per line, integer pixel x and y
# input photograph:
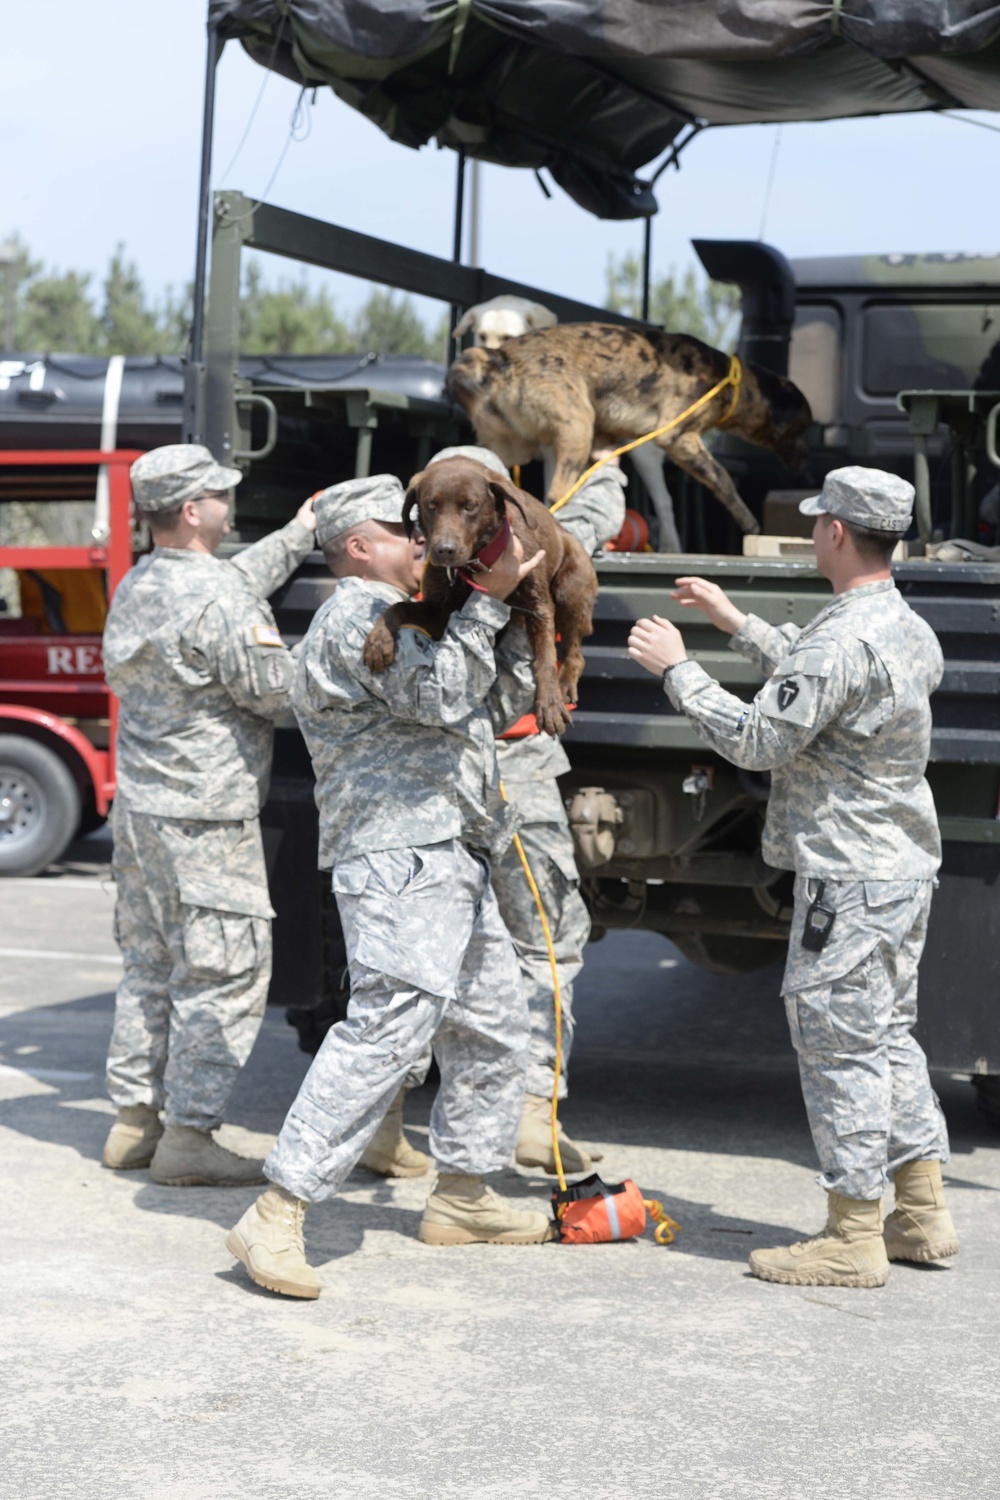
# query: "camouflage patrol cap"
{"type": "Point", "coordinates": [865, 497]}
{"type": "Point", "coordinates": [166, 477]}
{"type": "Point", "coordinates": [344, 506]}
{"type": "Point", "coordinates": [484, 456]}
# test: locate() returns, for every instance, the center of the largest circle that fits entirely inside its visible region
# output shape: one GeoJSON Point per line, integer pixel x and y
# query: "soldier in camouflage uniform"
{"type": "Point", "coordinates": [843, 724]}
{"type": "Point", "coordinates": [410, 812]}
{"type": "Point", "coordinates": [529, 767]}
{"type": "Point", "coordinates": [192, 652]}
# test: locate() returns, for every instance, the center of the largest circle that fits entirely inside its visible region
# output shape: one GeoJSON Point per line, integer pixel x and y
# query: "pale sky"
{"type": "Point", "coordinates": [100, 110]}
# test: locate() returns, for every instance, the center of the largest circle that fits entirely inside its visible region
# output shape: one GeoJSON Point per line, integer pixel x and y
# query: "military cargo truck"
{"type": "Point", "coordinates": [668, 835]}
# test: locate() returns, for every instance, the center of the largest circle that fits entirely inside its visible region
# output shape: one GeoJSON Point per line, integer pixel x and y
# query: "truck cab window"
{"type": "Point", "coordinates": [814, 360]}
{"type": "Point", "coordinates": [926, 346]}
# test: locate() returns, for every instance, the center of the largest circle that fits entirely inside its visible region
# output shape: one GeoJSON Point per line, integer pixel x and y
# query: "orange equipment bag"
{"type": "Point", "coordinates": [591, 1213]}
{"type": "Point", "coordinates": [633, 537]}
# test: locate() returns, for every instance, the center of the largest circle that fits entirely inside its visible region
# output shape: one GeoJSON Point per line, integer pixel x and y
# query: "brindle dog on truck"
{"type": "Point", "coordinates": [465, 510]}
{"type": "Point", "coordinates": [584, 385]}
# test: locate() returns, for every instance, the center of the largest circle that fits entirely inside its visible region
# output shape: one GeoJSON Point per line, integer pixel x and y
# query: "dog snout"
{"type": "Point", "coordinates": [444, 551]}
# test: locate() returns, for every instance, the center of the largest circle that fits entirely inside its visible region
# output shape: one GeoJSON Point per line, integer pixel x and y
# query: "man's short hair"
{"type": "Point", "coordinates": [165, 521]}
{"type": "Point", "coordinates": [872, 546]}
{"type": "Point", "coordinates": [335, 550]}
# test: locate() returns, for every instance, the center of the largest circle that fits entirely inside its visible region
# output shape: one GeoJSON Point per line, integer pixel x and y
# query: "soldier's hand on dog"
{"type": "Point", "coordinates": [656, 644]}
{"type": "Point", "coordinates": [305, 514]}
{"type": "Point", "coordinates": [508, 570]}
{"type": "Point", "coordinates": [698, 593]}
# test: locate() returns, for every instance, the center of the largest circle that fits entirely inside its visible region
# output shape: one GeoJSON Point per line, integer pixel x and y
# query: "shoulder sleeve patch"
{"type": "Point", "coordinates": [267, 635]}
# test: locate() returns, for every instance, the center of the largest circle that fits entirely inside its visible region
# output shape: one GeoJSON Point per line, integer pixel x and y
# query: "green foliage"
{"type": "Point", "coordinates": [128, 324]}
{"type": "Point", "coordinates": [680, 303]}
{"type": "Point", "coordinates": [388, 323]}
{"type": "Point", "coordinates": [289, 319]}
{"type": "Point", "coordinates": [294, 318]}
{"type": "Point", "coordinates": [56, 311]}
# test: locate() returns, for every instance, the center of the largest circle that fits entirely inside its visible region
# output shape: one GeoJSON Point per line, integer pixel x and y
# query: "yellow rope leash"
{"type": "Point", "coordinates": [557, 998]}
{"type": "Point", "coordinates": [733, 378]}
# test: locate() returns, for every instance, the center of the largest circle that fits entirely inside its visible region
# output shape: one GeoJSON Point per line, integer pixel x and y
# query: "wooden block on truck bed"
{"type": "Point", "coordinates": [778, 546]}
{"type": "Point", "coordinates": [798, 546]}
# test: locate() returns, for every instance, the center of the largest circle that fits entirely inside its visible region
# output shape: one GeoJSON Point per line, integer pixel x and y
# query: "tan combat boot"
{"type": "Point", "coordinates": [920, 1226]}
{"type": "Point", "coordinates": [186, 1157]}
{"type": "Point", "coordinates": [388, 1152]}
{"type": "Point", "coordinates": [462, 1210]}
{"type": "Point", "coordinates": [849, 1252]}
{"type": "Point", "coordinates": [534, 1140]}
{"type": "Point", "coordinates": [268, 1240]}
{"type": "Point", "coordinates": [133, 1138]}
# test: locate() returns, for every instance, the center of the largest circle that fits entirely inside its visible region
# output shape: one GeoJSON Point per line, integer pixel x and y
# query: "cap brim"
{"type": "Point", "coordinates": [812, 506]}
{"type": "Point", "coordinates": [221, 478]}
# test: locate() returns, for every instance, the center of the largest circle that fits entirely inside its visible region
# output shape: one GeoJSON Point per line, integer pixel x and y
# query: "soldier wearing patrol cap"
{"type": "Point", "coordinates": [409, 816]}
{"type": "Point", "coordinates": [193, 654]}
{"type": "Point", "coordinates": [843, 724]}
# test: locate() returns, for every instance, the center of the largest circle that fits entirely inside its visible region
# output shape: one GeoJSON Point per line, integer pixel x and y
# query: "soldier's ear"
{"type": "Point", "coordinates": [411, 501]}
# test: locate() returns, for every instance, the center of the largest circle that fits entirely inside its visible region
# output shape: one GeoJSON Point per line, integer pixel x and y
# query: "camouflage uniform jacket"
{"type": "Point", "coordinates": [193, 653]}
{"type": "Point", "coordinates": [595, 514]}
{"type": "Point", "coordinates": [844, 726]}
{"type": "Point", "coordinates": [406, 757]}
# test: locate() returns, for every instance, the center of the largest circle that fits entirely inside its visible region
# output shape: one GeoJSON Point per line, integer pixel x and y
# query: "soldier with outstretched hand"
{"type": "Point", "coordinates": [410, 815]}
{"type": "Point", "coordinates": [193, 653]}
{"type": "Point", "coordinates": [843, 724]}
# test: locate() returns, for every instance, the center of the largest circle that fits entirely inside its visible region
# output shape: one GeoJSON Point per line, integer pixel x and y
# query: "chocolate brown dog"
{"type": "Point", "coordinates": [465, 511]}
{"type": "Point", "coordinates": [581, 385]}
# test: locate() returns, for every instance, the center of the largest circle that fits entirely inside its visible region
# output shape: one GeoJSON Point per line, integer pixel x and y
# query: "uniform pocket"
{"type": "Point", "coordinates": [880, 893]}
{"type": "Point", "coordinates": [850, 1014]}
{"type": "Point", "coordinates": [225, 931]}
{"type": "Point", "coordinates": [350, 877]}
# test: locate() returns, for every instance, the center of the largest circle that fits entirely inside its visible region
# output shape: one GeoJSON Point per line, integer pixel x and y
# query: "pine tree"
{"type": "Point", "coordinates": [685, 304]}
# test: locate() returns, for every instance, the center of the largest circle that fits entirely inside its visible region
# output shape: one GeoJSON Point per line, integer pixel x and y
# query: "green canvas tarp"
{"type": "Point", "coordinates": [595, 90]}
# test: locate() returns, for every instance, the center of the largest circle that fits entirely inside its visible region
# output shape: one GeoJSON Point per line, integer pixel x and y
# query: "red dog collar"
{"type": "Point", "coordinates": [484, 559]}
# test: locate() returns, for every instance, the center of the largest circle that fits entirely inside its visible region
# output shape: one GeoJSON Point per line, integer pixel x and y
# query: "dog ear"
{"type": "Point", "coordinates": [465, 322]}
{"type": "Point", "coordinates": [505, 493]}
{"type": "Point", "coordinates": [538, 316]}
{"type": "Point", "coordinates": [410, 501]}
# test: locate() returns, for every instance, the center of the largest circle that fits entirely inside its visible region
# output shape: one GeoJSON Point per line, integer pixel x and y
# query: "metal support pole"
{"type": "Point", "coordinates": [456, 250]}
{"type": "Point", "coordinates": [922, 485]}
{"type": "Point", "coordinates": [204, 197]}
{"type": "Point", "coordinates": [647, 257]}
{"type": "Point", "coordinates": [475, 206]}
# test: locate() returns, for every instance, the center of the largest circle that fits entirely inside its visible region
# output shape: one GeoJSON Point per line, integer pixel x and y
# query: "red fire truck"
{"type": "Point", "coordinates": [57, 717]}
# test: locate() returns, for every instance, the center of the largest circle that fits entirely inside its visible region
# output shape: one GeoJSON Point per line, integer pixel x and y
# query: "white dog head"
{"type": "Point", "coordinates": [502, 318]}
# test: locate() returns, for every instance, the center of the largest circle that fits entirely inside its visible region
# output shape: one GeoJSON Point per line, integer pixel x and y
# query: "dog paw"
{"type": "Point", "coordinates": [552, 717]}
{"type": "Point", "coordinates": [379, 651]}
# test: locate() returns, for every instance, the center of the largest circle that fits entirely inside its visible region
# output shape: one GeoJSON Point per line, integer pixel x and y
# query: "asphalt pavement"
{"type": "Point", "coordinates": [136, 1360]}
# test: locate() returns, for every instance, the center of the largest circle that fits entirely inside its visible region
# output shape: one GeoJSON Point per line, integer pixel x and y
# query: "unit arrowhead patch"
{"type": "Point", "coordinates": [788, 691]}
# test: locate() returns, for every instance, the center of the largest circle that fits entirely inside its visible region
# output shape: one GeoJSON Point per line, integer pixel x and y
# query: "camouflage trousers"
{"type": "Point", "coordinates": [431, 964]}
{"type": "Point", "coordinates": [851, 1010]}
{"type": "Point", "coordinates": [192, 922]}
{"type": "Point", "coordinates": [548, 847]}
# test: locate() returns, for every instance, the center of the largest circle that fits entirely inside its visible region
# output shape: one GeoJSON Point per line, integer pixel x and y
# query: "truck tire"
{"type": "Point", "coordinates": [39, 806]}
{"type": "Point", "coordinates": [987, 1087]}
{"type": "Point", "coordinates": [718, 953]}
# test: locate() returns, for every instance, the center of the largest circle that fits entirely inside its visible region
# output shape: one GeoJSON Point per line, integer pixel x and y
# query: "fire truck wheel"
{"type": "Point", "coordinates": [39, 806]}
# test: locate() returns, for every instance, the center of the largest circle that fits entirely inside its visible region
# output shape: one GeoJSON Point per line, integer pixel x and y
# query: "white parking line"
{"type": "Point", "coordinates": [78, 958]}
{"type": "Point", "coordinates": [44, 1075]}
{"type": "Point", "coordinates": [38, 884]}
